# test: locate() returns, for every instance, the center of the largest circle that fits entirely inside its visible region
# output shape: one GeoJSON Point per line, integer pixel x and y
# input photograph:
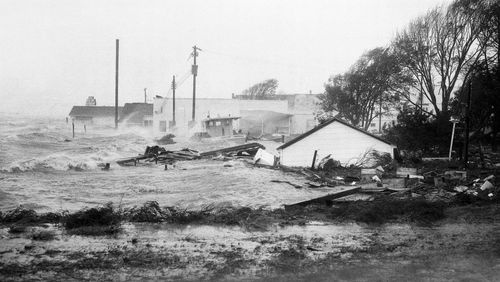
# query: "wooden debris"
{"type": "Point", "coordinates": [327, 199]}
{"type": "Point", "coordinates": [249, 149]}
{"type": "Point", "coordinates": [158, 154]}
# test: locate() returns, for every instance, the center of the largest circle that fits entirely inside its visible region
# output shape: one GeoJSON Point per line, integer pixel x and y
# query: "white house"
{"type": "Point", "coordinates": [343, 141]}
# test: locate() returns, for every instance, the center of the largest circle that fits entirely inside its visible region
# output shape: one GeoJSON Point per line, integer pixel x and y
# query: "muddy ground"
{"type": "Point", "coordinates": [462, 246]}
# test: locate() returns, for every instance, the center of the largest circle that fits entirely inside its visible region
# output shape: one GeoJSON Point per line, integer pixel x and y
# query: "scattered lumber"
{"type": "Point", "coordinates": [327, 198]}
{"type": "Point", "coordinates": [158, 154]}
{"type": "Point", "coordinates": [249, 149]}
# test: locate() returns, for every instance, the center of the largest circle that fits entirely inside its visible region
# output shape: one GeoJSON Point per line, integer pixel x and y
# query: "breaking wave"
{"type": "Point", "coordinates": [58, 161]}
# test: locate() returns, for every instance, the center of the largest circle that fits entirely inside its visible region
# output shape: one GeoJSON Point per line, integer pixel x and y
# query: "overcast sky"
{"type": "Point", "coordinates": [54, 54]}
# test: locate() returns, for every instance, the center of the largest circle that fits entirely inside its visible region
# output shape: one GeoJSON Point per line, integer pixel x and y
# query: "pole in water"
{"type": "Point", "coordinates": [314, 158]}
{"type": "Point", "coordinates": [116, 82]}
{"type": "Point", "coordinates": [166, 167]}
{"type": "Point", "coordinates": [194, 71]}
{"type": "Point", "coordinates": [73, 125]}
{"type": "Point", "coordinates": [85, 128]}
{"type": "Point", "coordinates": [173, 101]}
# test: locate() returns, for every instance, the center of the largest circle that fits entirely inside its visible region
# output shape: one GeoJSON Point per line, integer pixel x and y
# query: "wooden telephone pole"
{"type": "Point", "coordinates": [116, 82]}
{"type": "Point", "coordinates": [194, 71]}
{"type": "Point", "coordinates": [173, 101]}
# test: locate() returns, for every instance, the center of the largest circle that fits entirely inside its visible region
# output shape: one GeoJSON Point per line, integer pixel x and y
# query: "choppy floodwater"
{"type": "Point", "coordinates": [43, 168]}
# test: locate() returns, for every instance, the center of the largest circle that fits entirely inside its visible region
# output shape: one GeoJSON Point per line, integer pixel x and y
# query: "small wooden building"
{"type": "Point", "coordinates": [345, 143]}
{"type": "Point", "coordinates": [94, 115]}
{"type": "Point", "coordinates": [219, 126]}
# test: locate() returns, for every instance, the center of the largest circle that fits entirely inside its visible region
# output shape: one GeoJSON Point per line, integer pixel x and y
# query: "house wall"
{"type": "Point", "coordinates": [279, 106]}
{"type": "Point", "coordinates": [345, 144]}
{"type": "Point", "coordinates": [97, 121]}
{"type": "Point", "coordinates": [302, 123]}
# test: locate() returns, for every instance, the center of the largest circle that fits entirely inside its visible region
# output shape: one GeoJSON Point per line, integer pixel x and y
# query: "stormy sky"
{"type": "Point", "coordinates": [55, 53]}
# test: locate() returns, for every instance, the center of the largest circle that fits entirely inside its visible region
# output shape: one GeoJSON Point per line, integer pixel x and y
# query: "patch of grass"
{"type": "Point", "coordinates": [149, 212]}
{"type": "Point", "coordinates": [44, 235]}
{"type": "Point", "coordinates": [20, 214]}
{"type": "Point", "coordinates": [385, 208]}
{"type": "Point", "coordinates": [94, 221]}
{"type": "Point", "coordinates": [186, 216]}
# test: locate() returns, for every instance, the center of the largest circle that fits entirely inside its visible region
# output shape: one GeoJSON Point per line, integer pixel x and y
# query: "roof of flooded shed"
{"type": "Point", "coordinates": [94, 111]}
{"type": "Point", "coordinates": [319, 127]}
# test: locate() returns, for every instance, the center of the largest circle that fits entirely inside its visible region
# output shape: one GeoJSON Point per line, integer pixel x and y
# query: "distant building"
{"type": "Point", "coordinates": [137, 114]}
{"type": "Point", "coordinates": [258, 122]}
{"type": "Point", "coordinates": [94, 115]}
{"type": "Point", "coordinates": [300, 107]}
{"type": "Point", "coordinates": [281, 114]}
{"type": "Point", "coordinates": [220, 126]}
{"type": "Point", "coordinates": [344, 142]}
{"type": "Point", "coordinates": [91, 101]}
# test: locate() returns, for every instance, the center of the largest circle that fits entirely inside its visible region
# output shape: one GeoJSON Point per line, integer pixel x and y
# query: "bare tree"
{"type": "Point", "coordinates": [438, 51]}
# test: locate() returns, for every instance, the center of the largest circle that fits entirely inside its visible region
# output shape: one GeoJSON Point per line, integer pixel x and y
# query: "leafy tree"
{"type": "Point", "coordinates": [262, 90]}
{"type": "Point", "coordinates": [485, 104]}
{"type": "Point", "coordinates": [417, 131]}
{"type": "Point", "coordinates": [364, 92]}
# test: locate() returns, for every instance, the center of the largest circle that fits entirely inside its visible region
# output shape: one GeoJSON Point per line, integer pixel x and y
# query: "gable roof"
{"type": "Point", "coordinates": [94, 111]}
{"type": "Point", "coordinates": [319, 127]}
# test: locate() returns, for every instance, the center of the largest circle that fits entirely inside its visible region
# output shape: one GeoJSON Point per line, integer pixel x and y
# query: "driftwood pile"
{"type": "Point", "coordinates": [157, 154]}
{"type": "Point", "coordinates": [249, 149]}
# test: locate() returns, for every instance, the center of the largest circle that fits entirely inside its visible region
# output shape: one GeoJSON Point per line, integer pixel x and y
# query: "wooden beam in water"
{"type": "Point", "coordinates": [327, 198]}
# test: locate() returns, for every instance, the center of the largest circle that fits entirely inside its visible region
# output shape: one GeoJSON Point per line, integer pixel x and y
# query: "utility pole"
{"type": "Point", "coordinates": [467, 124]}
{"type": "Point", "coordinates": [194, 71]}
{"type": "Point", "coordinates": [145, 96]}
{"type": "Point", "coordinates": [116, 82]}
{"type": "Point", "coordinates": [173, 101]}
{"type": "Point", "coordinates": [380, 115]}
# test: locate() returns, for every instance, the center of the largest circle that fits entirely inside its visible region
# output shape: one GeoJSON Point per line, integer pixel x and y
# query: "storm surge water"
{"type": "Point", "coordinates": [43, 168]}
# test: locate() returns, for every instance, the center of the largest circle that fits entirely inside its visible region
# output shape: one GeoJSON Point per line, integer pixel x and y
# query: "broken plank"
{"type": "Point", "coordinates": [235, 149]}
{"type": "Point", "coordinates": [327, 198]}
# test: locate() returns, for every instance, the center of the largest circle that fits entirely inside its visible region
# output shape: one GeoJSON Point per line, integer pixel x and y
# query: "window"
{"type": "Point", "coordinates": [373, 124]}
{"type": "Point", "coordinates": [217, 123]}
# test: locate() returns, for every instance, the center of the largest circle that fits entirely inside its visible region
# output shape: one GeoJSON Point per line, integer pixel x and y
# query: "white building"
{"type": "Point", "coordinates": [335, 137]}
{"type": "Point", "coordinates": [297, 112]}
